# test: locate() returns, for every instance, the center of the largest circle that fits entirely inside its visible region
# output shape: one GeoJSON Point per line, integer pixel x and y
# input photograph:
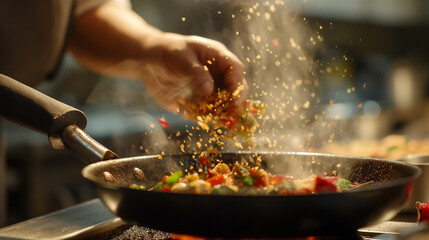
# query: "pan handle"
{"type": "Point", "coordinates": [28, 107]}
{"type": "Point", "coordinates": [84, 146]}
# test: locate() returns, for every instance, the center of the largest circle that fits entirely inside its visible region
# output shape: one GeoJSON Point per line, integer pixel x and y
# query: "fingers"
{"type": "Point", "coordinates": [203, 83]}
{"type": "Point", "coordinates": [207, 64]}
{"type": "Point", "coordinates": [201, 79]}
{"type": "Point", "coordinates": [225, 68]}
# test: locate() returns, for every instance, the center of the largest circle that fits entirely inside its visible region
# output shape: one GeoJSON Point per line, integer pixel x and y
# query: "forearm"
{"type": "Point", "coordinates": [111, 40]}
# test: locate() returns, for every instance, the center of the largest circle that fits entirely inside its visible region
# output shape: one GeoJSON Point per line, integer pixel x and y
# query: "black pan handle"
{"type": "Point", "coordinates": [33, 109]}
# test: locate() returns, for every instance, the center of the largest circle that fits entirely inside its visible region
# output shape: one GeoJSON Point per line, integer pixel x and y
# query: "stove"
{"type": "Point", "coordinates": [92, 220]}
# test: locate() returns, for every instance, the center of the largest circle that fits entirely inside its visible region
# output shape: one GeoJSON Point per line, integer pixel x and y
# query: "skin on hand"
{"type": "Point", "coordinates": [115, 41]}
{"type": "Point", "coordinates": [191, 67]}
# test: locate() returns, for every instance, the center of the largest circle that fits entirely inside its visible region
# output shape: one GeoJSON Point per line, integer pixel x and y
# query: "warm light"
{"type": "Point", "coordinates": [188, 237]}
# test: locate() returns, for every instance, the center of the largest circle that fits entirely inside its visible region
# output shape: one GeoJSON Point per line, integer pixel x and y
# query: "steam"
{"type": "Point", "coordinates": [151, 137]}
{"type": "Point", "coordinates": [118, 108]}
{"type": "Point", "coordinates": [166, 88]}
{"type": "Point", "coordinates": [278, 49]}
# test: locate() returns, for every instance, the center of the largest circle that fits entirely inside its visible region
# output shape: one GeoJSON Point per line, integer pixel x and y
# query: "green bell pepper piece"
{"type": "Point", "coordinates": [174, 178]}
{"type": "Point", "coordinates": [343, 183]}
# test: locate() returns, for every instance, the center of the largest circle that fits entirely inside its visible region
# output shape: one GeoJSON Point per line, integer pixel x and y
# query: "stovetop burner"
{"type": "Point", "coordinates": [92, 220]}
{"type": "Point", "coordinates": [143, 233]}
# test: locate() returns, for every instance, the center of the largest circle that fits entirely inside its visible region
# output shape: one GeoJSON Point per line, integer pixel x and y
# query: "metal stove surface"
{"type": "Point", "coordinates": [92, 220]}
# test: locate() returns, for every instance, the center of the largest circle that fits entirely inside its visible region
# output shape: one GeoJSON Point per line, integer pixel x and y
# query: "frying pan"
{"type": "Point", "coordinates": [219, 215]}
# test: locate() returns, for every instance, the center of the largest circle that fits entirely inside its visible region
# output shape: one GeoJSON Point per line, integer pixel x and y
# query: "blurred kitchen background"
{"type": "Point", "coordinates": [372, 67]}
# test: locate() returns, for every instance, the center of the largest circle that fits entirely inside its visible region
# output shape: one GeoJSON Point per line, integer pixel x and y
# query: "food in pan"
{"type": "Point", "coordinates": [244, 180]}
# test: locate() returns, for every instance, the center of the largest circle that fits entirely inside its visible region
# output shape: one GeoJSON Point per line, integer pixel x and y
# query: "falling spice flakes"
{"type": "Point", "coordinates": [163, 122]}
{"type": "Point", "coordinates": [275, 42]}
{"type": "Point", "coordinates": [204, 126]}
{"type": "Point", "coordinates": [292, 42]}
{"type": "Point", "coordinates": [267, 16]}
{"type": "Point", "coordinates": [306, 105]}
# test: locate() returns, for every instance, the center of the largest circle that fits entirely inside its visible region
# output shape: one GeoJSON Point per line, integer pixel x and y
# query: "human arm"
{"type": "Point", "coordinates": [115, 41]}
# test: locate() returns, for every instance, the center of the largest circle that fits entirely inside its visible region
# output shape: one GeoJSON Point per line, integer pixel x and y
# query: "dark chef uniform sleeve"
{"type": "Point", "coordinates": [33, 35]}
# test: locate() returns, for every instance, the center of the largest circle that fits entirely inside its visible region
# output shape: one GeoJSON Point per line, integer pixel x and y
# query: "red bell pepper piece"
{"type": "Point", "coordinates": [259, 183]}
{"type": "Point", "coordinates": [163, 179]}
{"type": "Point", "coordinates": [324, 185]}
{"type": "Point", "coordinates": [216, 180]}
{"type": "Point", "coordinates": [229, 123]}
{"type": "Point", "coordinates": [165, 188]}
{"type": "Point", "coordinates": [422, 212]}
{"type": "Point", "coordinates": [163, 122]}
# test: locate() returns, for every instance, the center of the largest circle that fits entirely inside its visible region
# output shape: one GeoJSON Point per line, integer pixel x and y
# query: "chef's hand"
{"type": "Point", "coordinates": [115, 41]}
{"type": "Point", "coordinates": [190, 68]}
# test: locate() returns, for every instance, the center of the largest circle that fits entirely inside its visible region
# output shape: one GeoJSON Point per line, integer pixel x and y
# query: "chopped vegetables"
{"type": "Point", "coordinates": [248, 181]}
{"type": "Point", "coordinates": [167, 182]}
{"type": "Point", "coordinates": [324, 185]}
{"type": "Point", "coordinates": [244, 180]}
{"type": "Point", "coordinates": [163, 122]}
{"type": "Point", "coordinates": [138, 187]}
{"type": "Point", "coordinates": [343, 184]}
{"type": "Point", "coordinates": [174, 178]}
{"type": "Point", "coordinates": [216, 180]}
